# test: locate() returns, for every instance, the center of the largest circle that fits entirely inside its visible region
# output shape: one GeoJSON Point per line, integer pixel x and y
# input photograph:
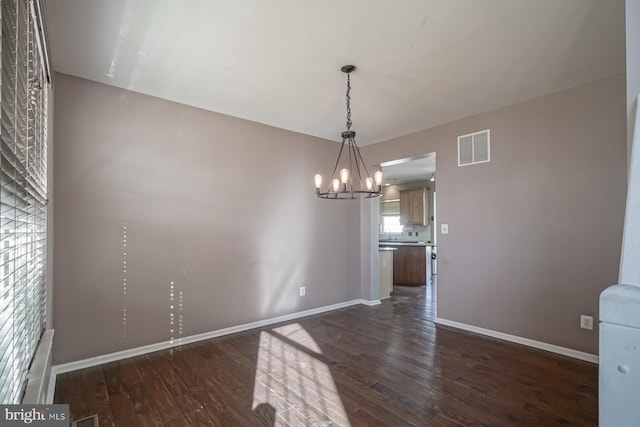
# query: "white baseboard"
{"type": "Point", "coordinates": [588, 357]}
{"type": "Point", "coordinates": [138, 351]}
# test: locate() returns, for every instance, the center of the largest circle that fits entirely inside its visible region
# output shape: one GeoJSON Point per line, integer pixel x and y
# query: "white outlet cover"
{"type": "Point", "coordinates": [586, 322]}
{"type": "Point", "coordinates": [303, 291]}
{"type": "Point", "coordinates": [444, 228]}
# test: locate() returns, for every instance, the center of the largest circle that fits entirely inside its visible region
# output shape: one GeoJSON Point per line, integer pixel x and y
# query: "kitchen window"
{"type": "Point", "coordinates": [391, 224]}
{"type": "Point", "coordinates": [391, 217]}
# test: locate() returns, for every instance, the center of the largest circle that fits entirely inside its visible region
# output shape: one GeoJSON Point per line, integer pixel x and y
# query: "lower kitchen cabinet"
{"type": "Point", "coordinates": [410, 266]}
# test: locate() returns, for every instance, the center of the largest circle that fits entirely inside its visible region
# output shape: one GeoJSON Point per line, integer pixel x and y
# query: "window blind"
{"type": "Point", "coordinates": [391, 207]}
{"type": "Point", "coordinates": [23, 187]}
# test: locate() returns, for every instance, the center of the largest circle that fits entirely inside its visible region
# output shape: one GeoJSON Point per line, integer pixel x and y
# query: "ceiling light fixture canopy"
{"type": "Point", "coordinates": [350, 178]}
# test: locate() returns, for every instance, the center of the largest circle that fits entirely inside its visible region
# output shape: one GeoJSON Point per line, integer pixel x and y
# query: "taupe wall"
{"type": "Point", "coordinates": [223, 208]}
{"type": "Point", "coordinates": [632, 17]}
{"type": "Point", "coordinates": [534, 235]}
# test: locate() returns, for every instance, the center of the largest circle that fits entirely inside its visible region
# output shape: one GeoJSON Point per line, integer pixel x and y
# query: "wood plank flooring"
{"type": "Point", "coordinates": [386, 365]}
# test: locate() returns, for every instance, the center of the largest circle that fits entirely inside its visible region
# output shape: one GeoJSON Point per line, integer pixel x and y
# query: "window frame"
{"type": "Point", "coordinates": [23, 182]}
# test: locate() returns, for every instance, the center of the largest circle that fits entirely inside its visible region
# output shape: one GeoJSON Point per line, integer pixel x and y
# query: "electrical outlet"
{"type": "Point", "coordinates": [586, 322]}
{"type": "Point", "coordinates": [303, 291]}
{"type": "Point", "coordinates": [444, 228]}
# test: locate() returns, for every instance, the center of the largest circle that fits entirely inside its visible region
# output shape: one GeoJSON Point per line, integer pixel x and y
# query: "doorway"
{"type": "Point", "coordinates": [407, 223]}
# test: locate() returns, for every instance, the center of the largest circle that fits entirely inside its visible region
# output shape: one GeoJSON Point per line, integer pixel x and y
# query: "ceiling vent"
{"type": "Point", "coordinates": [474, 148]}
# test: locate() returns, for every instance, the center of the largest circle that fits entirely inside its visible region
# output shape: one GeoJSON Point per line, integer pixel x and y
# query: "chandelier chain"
{"type": "Point", "coordinates": [348, 101]}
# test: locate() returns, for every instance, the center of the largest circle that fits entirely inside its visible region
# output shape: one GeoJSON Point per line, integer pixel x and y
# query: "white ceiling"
{"type": "Point", "coordinates": [409, 170]}
{"type": "Point", "coordinates": [420, 62]}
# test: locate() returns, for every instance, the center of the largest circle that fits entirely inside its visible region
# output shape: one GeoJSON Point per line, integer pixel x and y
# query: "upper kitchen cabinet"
{"type": "Point", "coordinates": [414, 207]}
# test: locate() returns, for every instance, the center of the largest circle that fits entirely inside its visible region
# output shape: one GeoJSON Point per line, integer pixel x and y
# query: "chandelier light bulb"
{"type": "Point", "coordinates": [344, 175]}
{"type": "Point", "coordinates": [317, 179]}
{"type": "Point", "coordinates": [369, 182]}
{"type": "Point", "coordinates": [378, 177]}
{"type": "Point", "coordinates": [335, 184]}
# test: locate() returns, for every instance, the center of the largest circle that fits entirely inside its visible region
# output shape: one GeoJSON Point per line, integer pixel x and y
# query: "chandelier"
{"type": "Point", "coordinates": [350, 178]}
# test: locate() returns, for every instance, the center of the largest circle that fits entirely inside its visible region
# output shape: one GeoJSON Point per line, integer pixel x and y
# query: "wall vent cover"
{"type": "Point", "coordinates": [90, 421]}
{"type": "Point", "coordinates": [474, 148]}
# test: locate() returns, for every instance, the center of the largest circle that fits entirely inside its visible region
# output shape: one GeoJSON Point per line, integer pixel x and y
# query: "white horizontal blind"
{"type": "Point", "coordinates": [23, 186]}
{"type": "Point", "coordinates": [391, 207]}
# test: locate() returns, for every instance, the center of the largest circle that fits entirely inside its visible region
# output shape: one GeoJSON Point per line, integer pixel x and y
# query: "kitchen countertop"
{"type": "Point", "coordinates": [403, 243]}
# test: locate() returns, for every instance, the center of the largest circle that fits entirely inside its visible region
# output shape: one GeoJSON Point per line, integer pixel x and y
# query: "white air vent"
{"type": "Point", "coordinates": [474, 148]}
{"type": "Point", "coordinates": [91, 421]}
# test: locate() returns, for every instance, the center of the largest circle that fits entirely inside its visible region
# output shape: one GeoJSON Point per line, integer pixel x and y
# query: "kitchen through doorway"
{"type": "Point", "coordinates": [407, 225]}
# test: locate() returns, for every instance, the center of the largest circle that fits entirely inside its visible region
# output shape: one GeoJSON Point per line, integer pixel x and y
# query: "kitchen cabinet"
{"type": "Point", "coordinates": [414, 207]}
{"type": "Point", "coordinates": [410, 265]}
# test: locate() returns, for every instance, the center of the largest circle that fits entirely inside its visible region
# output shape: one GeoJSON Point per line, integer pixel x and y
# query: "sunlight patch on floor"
{"type": "Point", "coordinates": [292, 378]}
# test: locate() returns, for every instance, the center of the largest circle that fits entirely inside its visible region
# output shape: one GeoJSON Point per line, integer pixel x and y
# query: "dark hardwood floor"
{"type": "Point", "coordinates": [387, 365]}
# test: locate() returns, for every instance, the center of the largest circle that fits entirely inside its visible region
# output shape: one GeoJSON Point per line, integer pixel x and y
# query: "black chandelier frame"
{"type": "Point", "coordinates": [338, 188]}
